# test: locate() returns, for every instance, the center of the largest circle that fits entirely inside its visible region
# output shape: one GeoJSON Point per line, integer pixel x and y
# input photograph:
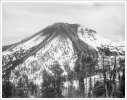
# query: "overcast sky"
{"type": "Point", "coordinates": [20, 20]}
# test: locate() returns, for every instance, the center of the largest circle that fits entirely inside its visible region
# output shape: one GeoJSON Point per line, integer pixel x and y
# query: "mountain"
{"type": "Point", "coordinates": [60, 39]}
{"type": "Point", "coordinates": [61, 43]}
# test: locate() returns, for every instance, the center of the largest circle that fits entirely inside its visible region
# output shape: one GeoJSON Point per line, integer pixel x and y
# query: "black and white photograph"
{"type": "Point", "coordinates": [63, 49]}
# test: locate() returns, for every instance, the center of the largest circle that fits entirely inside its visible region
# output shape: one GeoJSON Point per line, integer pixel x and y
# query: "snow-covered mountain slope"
{"type": "Point", "coordinates": [59, 50]}
{"type": "Point", "coordinates": [95, 40]}
{"type": "Point", "coordinates": [59, 43]}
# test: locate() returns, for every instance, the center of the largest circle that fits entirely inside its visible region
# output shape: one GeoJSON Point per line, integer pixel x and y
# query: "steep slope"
{"type": "Point", "coordinates": [91, 37]}
{"type": "Point", "coordinates": [58, 42]}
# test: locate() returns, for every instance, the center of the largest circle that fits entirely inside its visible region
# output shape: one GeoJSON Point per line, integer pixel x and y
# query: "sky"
{"type": "Point", "coordinates": [23, 19]}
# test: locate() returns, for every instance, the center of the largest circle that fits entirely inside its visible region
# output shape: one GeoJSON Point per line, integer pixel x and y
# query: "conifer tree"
{"type": "Point", "coordinates": [52, 85]}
